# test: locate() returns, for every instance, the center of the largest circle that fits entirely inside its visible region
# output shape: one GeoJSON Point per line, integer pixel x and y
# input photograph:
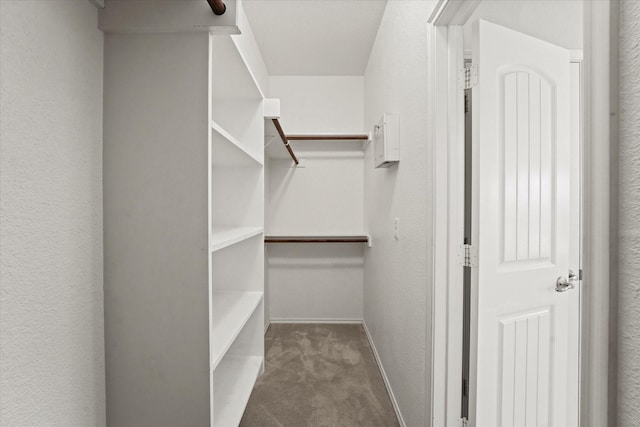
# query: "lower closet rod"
{"type": "Point", "coordinates": [269, 239]}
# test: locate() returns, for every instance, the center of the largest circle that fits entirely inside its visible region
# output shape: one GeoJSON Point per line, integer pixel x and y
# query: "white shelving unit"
{"type": "Point", "coordinates": [233, 386]}
{"type": "Point", "coordinates": [184, 179]}
{"type": "Point", "coordinates": [236, 221]}
{"type": "Point", "coordinates": [230, 313]}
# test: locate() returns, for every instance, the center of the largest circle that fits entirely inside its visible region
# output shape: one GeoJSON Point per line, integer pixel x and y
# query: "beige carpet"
{"type": "Point", "coordinates": [319, 375]}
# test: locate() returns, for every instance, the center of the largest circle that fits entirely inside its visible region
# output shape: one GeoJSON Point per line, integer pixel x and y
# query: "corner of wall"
{"type": "Point", "coordinates": [397, 290]}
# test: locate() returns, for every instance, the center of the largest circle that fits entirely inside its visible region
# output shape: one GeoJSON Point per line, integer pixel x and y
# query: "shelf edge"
{"type": "Point", "coordinates": [214, 360]}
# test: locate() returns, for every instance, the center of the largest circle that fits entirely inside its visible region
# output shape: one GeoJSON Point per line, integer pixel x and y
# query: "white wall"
{"type": "Point", "coordinates": [397, 294]}
{"type": "Point", "coordinates": [51, 321]}
{"type": "Point", "coordinates": [319, 104]}
{"type": "Point", "coordinates": [629, 218]}
{"type": "Point", "coordinates": [558, 21]}
{"type": "Point", "coordinates": [315, 281]}
{"type": "Point", "coordinates": [325, 195]}
{"type": "Point", "coordinates": [312, 281]}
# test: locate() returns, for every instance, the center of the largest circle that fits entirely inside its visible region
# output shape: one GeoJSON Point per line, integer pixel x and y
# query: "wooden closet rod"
{"type": "Point", "coordinates": [217, 6]}
{"type": "Point", "coordinates": [285, 141]}
{"type": "Point", "coordinates": [327, 137]}
{"type": "Point", "coordinates": [311, 239]}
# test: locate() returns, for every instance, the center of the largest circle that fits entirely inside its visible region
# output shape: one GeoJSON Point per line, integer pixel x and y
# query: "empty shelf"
{"type": "Point", "coordinates": [233, 80]}
{"type": "Point", "coordinates": [223, 237]}
{"type": "Point", "coordinates": [233, 382]}
{"type": "Point", "coordinates": [230, 312]}
{"type": "Point", "coordinates": [228, 151]}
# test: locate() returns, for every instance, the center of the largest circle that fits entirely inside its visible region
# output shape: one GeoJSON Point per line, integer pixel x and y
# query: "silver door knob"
{"type": "Point", "coordinates": [563, 284]}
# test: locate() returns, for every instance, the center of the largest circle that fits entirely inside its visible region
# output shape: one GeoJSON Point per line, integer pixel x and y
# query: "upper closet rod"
{"type": "Point", "coordinates": [276, 123]}
{"type": "Point", "coordinates": [217, 6]}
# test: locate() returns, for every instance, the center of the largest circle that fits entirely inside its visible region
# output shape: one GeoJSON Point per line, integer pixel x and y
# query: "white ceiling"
{"type": "Point", "coordinates": [315, 37]}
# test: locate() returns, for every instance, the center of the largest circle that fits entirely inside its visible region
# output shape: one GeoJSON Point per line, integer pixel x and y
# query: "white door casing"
{"type": "Point", "coordinates": [524, 340]}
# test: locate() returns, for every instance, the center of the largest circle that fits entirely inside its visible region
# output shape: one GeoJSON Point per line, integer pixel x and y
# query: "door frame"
{"type": "Point", "coordinates": [446, 119]}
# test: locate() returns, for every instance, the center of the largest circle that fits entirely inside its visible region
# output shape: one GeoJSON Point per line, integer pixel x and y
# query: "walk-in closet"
{"type": "Point", "coordinates": [269, 205]}
{"type": "Point", "coordinates": [318, 213]}
{"type": "Point", "coordinates": [243, 195]}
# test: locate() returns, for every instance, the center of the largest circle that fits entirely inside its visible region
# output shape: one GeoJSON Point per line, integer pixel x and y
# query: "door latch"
{"type": "Point", "coordinates": [564, 284]}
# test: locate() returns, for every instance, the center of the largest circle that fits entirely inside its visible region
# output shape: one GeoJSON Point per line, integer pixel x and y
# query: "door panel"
{"type": "Point", "coordinates": [521, 219]}
{"type": "Point", "coordinates": [525, 145]}
{"type": "Point", "coordinates": [525, 373]}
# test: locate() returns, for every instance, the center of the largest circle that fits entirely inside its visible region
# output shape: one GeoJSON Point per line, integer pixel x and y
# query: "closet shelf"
{"type": "Point", "coordinates": [230, 311]}
{"type": "Point", "coordinates": [221, 237]}
{"type": "Point", "coordinates": [348, 139]}
{"type": "Point", "coordinates": [234, 79]}
{"type": "Point", "coordinates": [228, 151]}
{"type": "Point", "coordinates": [351, 238]}
{"type": "Point", "coordinates": [233, 382]}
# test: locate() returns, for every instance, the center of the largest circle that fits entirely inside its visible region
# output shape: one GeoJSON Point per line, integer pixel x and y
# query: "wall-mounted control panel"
{"type": "Point", "coordinates": [386, 141]}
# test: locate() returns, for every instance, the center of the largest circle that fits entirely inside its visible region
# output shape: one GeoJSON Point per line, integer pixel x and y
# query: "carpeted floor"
{"type": "Point", "coordinates": [319, 375]}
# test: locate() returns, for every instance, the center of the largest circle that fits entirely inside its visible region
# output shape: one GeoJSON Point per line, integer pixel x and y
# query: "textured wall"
{"type": "Point", "coordinates": [51, 317]}
{"type": "Point", "coordinates": [562, 19]}
{"type": "Point", "coordinates": [629, 218]}
{"type": "Point", "coordinates": [326, 196]}
{"type": "Point", "coordinates": [398, 272]}
{"type": "Point", "coordinates": [317, 104]}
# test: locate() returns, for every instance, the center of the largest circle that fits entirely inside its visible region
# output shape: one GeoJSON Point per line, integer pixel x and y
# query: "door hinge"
{"type": "Point", "coordinates": [468, 256]}
{"type": "Point", "coordinates": [468, 77]}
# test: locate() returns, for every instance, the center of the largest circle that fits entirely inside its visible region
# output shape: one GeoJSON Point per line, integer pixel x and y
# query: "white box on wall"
{"type": "Point", "coordinates": [271, 108]}
{"type": "Point", "coordinates": [386, 141]}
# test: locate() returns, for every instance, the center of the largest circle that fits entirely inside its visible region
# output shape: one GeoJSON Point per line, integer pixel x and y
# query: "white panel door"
{"type": "Point", "coordinates": [525, 345]}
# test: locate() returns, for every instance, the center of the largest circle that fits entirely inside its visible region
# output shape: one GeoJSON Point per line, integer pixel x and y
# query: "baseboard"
{"type": "Point", "coordinates": [307, 320]}
{"type": "Point", "coordinates": [394, 402]}
{"type": "Point", "coordinates": [266, 327]}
